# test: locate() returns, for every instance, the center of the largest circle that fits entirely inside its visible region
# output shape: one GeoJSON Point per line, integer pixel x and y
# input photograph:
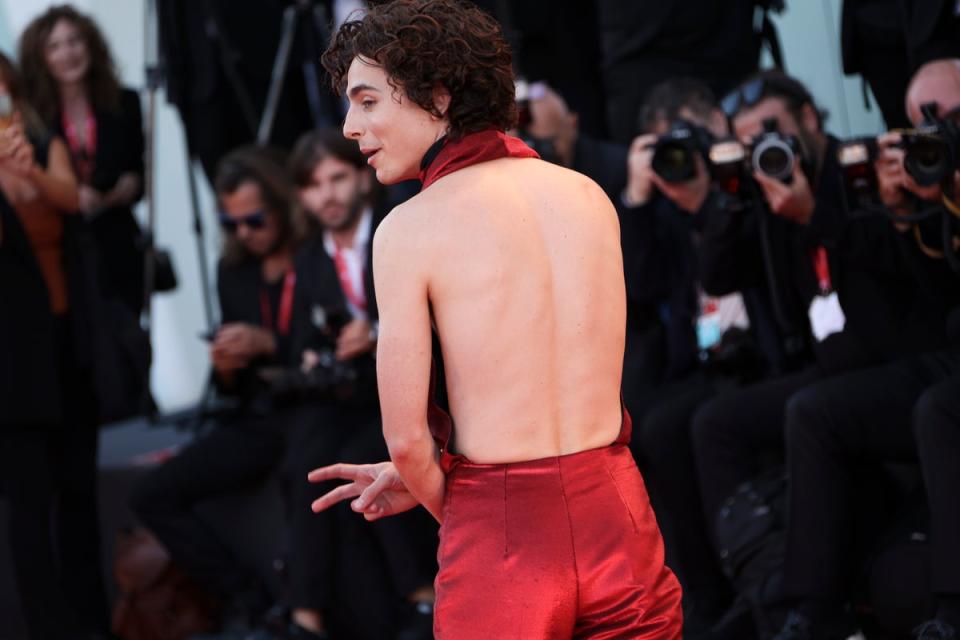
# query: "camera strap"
{"type": "Point", "coordinates": [285, 312]}
{"type": "Point", "coordinates": [821, 266]}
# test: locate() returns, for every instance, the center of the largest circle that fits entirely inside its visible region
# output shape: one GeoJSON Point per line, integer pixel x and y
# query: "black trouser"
{"type": "Point", "coordinates": [732, 431]}
{"type": "Point", "coordinates": [661, 443]}
{"type": "Point", "coordinates": [59, 576]}
{"type": "Point", "coordinates": [937, 429]}
{"type": "Point", "coordinates": [397, 542]}
{"type": "Point", "coordinates": [244, 454]}
{"type": "Point", "coordinates": [378, 563]}
{"type": "Point", "coordinates": [833, 425]}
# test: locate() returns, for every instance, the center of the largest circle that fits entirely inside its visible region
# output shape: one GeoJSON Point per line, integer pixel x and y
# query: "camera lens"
{"type": "Point", "coordinates": [927, 160]}
{"type": "Point", "coordinates": [773, 157]}
{"type": "Point", "coordinates": [673, 162]}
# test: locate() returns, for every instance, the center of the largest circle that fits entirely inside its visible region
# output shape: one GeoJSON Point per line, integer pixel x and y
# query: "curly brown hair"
{"type": "Point", "coordinates": [422, 44]}
{"type": "Point", "coordinates": [103, 87]}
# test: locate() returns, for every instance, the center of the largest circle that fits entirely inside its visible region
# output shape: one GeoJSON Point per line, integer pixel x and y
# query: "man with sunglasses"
{"type": "Point", "coordinates": [256, 284]}
{"type": "Point", "coordinates": [841, 295]}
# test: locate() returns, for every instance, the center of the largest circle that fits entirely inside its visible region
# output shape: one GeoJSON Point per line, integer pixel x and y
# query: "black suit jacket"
{"type": "Point", "coordinates": [319, 294]}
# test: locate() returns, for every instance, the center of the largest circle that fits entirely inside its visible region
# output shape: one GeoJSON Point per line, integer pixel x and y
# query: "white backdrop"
{"type": "Point", "coordinates": [809, 31]}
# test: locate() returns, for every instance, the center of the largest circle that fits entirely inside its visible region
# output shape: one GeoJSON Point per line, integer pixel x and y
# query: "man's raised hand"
{"type": "Point", "coordinates": [377, 489]}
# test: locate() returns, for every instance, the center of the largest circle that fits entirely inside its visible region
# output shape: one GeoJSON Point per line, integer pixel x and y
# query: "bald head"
{"type": "Point", "coordinates": [937, 81]}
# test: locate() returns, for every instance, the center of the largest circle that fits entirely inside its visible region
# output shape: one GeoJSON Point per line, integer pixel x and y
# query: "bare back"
{"type": "Point", "coordinates": [525, 281]}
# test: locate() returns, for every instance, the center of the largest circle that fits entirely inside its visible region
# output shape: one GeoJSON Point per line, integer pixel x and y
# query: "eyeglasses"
{"type": "Point", "coordinates": [752, 92]}
{"type": "Point", "coordinates": [253, 221]}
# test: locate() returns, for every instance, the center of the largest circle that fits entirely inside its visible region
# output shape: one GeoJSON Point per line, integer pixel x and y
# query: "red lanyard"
{"type": "Point", "coordinates": [285, 315]}
{"type": "Point", "coordinates": [822, 268]}
{"type": "Point", "coordinates": [83, 155]}
{"type": "Point", "coordinates": [357, 299]}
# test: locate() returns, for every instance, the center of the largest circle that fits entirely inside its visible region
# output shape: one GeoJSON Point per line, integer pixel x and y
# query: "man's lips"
{"type": "Point", "coordinates": [369, 153]}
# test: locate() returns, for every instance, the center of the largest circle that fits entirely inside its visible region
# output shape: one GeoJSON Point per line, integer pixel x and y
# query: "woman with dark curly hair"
{"type": "Point", "coordinates": [70, 77]}
{"type": "Point", "coordinates": [546, 528]}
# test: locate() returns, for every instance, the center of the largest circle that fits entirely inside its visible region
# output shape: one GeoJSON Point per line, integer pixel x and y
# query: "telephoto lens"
{"type": "Point", "coordinates": [932, 150]}
{"type": "Point", "coordinates": [774, 155]}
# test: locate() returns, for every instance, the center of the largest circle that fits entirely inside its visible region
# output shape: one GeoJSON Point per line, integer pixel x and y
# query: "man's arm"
{"type": "Point", "coordinates": [403, 362]}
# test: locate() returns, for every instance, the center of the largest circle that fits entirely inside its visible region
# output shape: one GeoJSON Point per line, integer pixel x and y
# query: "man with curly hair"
{"type": "Point", "coordinates": [546, 529]}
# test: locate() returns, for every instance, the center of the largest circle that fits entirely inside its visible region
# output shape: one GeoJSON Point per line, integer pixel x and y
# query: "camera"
{"type": "Point", "coordinates": [330, 379]}
{"type": "Point", "coordinates": [774, 154]}
{"type": "Point", "coordinates": [856, 157]}
{"type": "Point", "coordinates": [932, 150]}
{"type": "Point", "coordinates": [674, 153]}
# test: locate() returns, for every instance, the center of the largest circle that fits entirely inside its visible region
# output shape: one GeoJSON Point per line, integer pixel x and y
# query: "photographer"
{"type": "Point", "coordinates": [866, 416]}
{"type": "Point", "coordinates": [710, 342]}
{"type": "Point", "coordinates": [836, 283]}
{"type": "Point", "coordinates": [335, 287]}
{"type": "Point", "coordinates": [256, 285]}
{"type": "Point", "coordinates": [554, 132]}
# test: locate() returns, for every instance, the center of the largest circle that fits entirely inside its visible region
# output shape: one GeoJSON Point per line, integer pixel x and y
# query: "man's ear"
{"type": "Point", "coordinates": [809, 118]}
{"type": "Point", "coordinates": [441, 99]}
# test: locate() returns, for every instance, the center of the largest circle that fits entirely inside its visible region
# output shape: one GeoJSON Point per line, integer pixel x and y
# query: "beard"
{"type": "Point", "coordinates": [354, 210]}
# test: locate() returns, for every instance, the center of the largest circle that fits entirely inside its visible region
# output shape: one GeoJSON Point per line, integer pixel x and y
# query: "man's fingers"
{"type": "Point", "coordinates": [339, 471]}
{"type": "Point", "coordinates": [343, 492]}
{"type": "Point", "coordinates": [371, 493]}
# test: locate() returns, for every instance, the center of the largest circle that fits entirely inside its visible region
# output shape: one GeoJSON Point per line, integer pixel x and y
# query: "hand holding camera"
{"type": "Point", "coordinates": [236, 345]}
{"type": "Point", "coordinates": [794, 200]}
{"type": "Point", "coordinates": [895, 182]}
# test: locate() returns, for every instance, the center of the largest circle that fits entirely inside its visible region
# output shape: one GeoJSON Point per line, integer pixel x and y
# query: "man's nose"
{"type": "Point", "coordinates": [351, 127]}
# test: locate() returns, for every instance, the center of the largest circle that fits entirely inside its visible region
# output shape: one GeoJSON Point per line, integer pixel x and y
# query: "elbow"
{"type": "Point", "coordinates": [406, 448]}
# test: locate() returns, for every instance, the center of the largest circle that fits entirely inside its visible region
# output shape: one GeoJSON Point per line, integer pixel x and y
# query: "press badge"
{"type": "Point", "coordinates": [826, 315]}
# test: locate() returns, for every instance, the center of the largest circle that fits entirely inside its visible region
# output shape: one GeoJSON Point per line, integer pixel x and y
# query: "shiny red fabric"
{"type": "Point", "coordinates": [473, 148]}
{"type": "Point", "coordinates": [562, 547]}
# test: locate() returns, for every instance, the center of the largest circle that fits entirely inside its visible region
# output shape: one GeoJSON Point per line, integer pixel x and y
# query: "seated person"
{"type": "Point", "coordinates": [285, 420]}
{"type": "Point", "coordinates": [866, 416]}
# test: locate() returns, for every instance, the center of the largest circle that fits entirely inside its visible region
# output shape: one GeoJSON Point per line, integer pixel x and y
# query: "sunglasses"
{"type": "Point", "coordinates": [253, 221]}
{"type": "Point", "coordinates": [752, 92]}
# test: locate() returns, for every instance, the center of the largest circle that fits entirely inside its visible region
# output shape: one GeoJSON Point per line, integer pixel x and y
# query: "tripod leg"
{"type": "Point", "coordinates": [280, 63]}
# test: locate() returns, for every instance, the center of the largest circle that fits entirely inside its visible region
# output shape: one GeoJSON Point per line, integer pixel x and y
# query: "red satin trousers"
{"type": "Point", "coordinates": [564, 547]}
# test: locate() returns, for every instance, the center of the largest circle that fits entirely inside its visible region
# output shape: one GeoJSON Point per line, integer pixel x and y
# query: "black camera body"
{"type": "Point", "coordinates": [674, 153]}
{"type": "Point", "coordinates": [330, 379]}
{"type": "Point", "coordinates": [774, 154]}
{"type": "Point", "coordinates": [932, 150]}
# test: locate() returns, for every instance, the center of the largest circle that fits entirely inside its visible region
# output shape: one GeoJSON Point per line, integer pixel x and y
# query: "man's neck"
{"type": "Point", "coordinates": [274, 266]}
{"type": "Point", "coordinates": [344, 238]}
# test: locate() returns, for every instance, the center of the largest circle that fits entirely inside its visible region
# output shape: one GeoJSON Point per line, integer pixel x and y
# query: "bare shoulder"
{"type": "Point", "coordinates": [403, 235]}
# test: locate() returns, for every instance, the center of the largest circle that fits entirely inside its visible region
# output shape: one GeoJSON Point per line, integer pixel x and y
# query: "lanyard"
{"type": "Point", "coordinates": [357, 298]}
{"type": "Point", "coordinates": [83, 155]}
{"type": "Point", "coordinates": [822, 268]}
{"type": "Point", "coordinates": [285, 314]}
